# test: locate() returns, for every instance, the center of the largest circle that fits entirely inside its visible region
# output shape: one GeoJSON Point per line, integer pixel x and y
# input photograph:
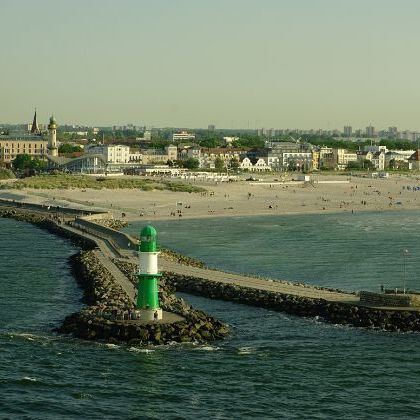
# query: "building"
{"type": "Point", "coordinates": [372, 148]}
{"type": "Point", "coordinates": [86, 164]}
{"type": "Point", "coordinates": [182, 136]}
{"type": "Point", "coordinates": [114, 153]}
{"type": "Point", "coordinates": [331, 158]}
{"type": "Point", "coordinates": [348, 130]}
{"type": "Point", "coordinates": [211, 128]}
{"type": "Point", "coordinates": [157, 156]}
{"type": "Point", "coordinates": [34, 146]}
{"type": "Point", "coordinates": [291, 155]}
{"type": "Point", "coordinates": [378, 160]}
{"type": "Point", "coordinates": [414, 160]}
{"type": "Point", "coordinates": [52, 140]}
{"type": "Point", "coordinates": [370, 131]}
{"type": "Point", "coordinates": [393, 132]}
{"type": "Point", "coordinates": [343, 157]}
{"type": "Point", "coordinates": [208, 156]}
{"type": "Point", "coordinates": [395, 159]}
{"type": "Point", "coordinates": [254, 165]}
{"type": "Point", "coordinates": [229, 140]}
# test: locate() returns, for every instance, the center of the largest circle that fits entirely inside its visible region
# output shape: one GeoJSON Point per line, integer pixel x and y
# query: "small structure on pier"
{"type": "Point", "coordinates": [148, 276]}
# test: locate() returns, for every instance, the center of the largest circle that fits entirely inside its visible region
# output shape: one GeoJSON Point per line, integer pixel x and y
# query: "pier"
{"type": "Point", "coordinates": [113, 248]}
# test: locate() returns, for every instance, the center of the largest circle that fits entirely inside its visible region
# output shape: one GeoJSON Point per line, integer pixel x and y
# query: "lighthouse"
{"type": "Point", "coordinates": [148, 276]}
{"type": "Point", "coordinates": [52, 141]}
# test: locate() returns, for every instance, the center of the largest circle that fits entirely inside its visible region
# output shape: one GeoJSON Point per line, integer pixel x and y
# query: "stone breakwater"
{"type": "Point", "coordinates": [108, 304]}
{"type": "Point", "coordinates": [104, 319]}
{"type": "Point", "coordinates": [336, 313]}
{"type": "Point", "coordinates": [182, 259]}
{"type": "Point", "coordinates": [115, 224]}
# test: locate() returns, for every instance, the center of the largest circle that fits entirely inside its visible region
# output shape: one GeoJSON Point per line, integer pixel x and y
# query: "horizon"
{"type": "Point", "coordinates": [242, 63]}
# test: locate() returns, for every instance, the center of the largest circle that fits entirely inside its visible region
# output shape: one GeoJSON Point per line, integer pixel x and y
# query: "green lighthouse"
{"type": "Point", "coordinates": [148, 276]}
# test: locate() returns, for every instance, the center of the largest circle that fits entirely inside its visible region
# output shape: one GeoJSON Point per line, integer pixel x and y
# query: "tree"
{"type": "Point", "coordinates": [365, 164]}
{"type": "Point", "coordinates": [354, 165]}
{"type": "Point", "coordinates": [191, 163]}
{"type": "Point", "coordinates": [219, 164]}
{"type": "Point", "coordinates": [67, 148]}
{"type": "Point", "coordinates": [25, 161]}
{"type": "Point", "coordinates": [234, 164]}
{"type": "Point", "coordinates": [292, 165]}
{"type": "Point", "coordinates": [21, 162]}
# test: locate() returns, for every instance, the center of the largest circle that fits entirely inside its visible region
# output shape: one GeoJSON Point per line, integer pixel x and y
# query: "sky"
{"type": "Point", "coordinates": [232, 63]}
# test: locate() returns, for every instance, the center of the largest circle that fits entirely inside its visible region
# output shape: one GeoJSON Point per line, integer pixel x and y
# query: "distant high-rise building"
{"type": "Point", "coordinates": [392, 132]}
{"type": "Point", "coordinates": [211, 128]}
{"type": "Point", "coordinates": [348, 130]}
{"type": "Point", "coordinates": [370, 131]}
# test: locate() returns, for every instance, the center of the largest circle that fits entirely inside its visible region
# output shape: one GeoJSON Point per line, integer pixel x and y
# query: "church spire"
{"type": "Point", "coordinates": [35, 128]}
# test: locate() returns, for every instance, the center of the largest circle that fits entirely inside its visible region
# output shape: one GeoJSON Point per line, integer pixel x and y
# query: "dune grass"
{"type": "Point", "coordinates": [50, 182]}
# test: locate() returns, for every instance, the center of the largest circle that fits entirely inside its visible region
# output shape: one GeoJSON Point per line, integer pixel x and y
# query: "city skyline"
{"type": "Point", "coordinates": [235, 64]}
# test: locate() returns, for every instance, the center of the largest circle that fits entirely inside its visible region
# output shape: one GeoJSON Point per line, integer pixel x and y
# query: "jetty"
{"type": "Point", "coordinates": [114, 249]}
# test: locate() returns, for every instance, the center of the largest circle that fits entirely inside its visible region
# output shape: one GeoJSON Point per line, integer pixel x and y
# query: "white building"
{"type": "Point", "coordinates": [114, 153]}
{"type": "Point", "coordinates": [374, 149]}
{"type": "Point", "coordinates": [259, 166]}
{"type": "Point", "coordinates": [182, 136]}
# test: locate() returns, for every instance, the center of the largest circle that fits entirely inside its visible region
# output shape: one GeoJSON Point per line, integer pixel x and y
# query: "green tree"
{"type": "Point", "coordinates": [191, 163]}
{"type": "Point", "coordinates": [354, 165]}
{"type": "Point", "coordinates": [25, 161]}
{"type": "Point", "coordinates": [21, 162]}
{"type": "Point", "coordinates": [219, 164]}
{"type": "Point", "coordinates": [234, 164]}
{"type": "Point", "coordinates": [69, 148]}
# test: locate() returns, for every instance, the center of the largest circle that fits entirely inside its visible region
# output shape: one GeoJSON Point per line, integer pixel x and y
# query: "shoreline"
{"type": "Point", "coordinates": [238, 198]}
{"type": "Point", "coordinates": [243, 215]}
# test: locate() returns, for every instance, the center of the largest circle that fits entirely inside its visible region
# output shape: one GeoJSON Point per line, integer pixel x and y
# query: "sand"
{"type": "Point", "coordinates": [268, 197]}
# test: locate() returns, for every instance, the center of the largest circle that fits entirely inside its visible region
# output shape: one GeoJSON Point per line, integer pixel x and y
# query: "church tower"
{"type": "Point", "coordinates": [52, 141]}
{"type": "Point", "coordinates": [35, 128]}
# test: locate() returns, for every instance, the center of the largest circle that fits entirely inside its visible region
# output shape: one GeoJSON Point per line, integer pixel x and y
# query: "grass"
{"type": "Point", "coordinates": [50, 182]}
{"type": "Point", "coordinates": [6, 174]}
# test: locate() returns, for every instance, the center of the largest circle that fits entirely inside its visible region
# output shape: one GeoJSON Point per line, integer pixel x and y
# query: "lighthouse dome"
{"type": "Point", "coordinates": [148, 237]}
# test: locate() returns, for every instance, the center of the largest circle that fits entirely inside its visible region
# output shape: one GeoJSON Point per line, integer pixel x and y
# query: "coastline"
{"type": "Point", "coordinates": [239, 198]}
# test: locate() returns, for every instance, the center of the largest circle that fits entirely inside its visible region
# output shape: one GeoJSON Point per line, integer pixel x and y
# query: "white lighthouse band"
{"type": "Point", "coordinates": [148, 263]}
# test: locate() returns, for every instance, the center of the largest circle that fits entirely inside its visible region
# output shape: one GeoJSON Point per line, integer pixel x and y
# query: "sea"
{"type": "Point", "coordinates": [272, 366]}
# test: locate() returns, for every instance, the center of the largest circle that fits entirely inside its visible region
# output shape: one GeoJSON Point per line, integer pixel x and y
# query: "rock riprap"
{"type": "Point", "coordinates": [108, 315]}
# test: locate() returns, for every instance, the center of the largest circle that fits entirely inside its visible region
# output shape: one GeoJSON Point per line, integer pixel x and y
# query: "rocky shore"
{"type": "Point", "coordinates": [106, 317]}
{"type": "Point", "coordinates": [335, 313]}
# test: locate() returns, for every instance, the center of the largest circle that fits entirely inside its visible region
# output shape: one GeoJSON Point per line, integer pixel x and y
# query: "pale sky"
{"type": "Point", "coordinates": [233, 63]}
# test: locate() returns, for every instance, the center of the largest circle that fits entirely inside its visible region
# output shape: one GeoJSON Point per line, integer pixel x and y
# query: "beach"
{"type": "Point", "coordinates": [264, 196]}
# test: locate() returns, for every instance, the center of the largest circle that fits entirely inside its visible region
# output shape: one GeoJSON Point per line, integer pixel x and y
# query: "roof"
{"type": "Point", "coordinates": [415, 156]}
{"type": "Point", "coordinates": [61, 160]}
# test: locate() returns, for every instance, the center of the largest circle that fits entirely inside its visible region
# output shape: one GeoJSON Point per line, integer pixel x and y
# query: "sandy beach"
{"type": "Point", "coordinates": [266, 196]}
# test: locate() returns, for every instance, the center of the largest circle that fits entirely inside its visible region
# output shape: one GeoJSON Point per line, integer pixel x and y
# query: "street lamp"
{"type": "Point", "coordinates": [405, 253]}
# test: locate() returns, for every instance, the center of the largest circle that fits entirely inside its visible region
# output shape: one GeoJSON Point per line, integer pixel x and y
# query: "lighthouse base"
{"type": "Point", "coordinates": [149, 314]}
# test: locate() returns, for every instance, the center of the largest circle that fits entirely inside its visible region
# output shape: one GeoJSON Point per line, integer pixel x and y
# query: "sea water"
{"type": "Point", "coordinates": [273, 365]}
